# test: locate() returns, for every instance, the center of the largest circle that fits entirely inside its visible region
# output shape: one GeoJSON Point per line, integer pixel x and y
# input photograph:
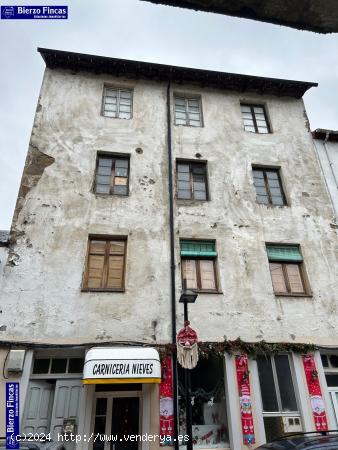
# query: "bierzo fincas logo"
{"type": "Point", "coordinates": [34, 12]}
{"type": "Point", "coordinates": [12, 415]}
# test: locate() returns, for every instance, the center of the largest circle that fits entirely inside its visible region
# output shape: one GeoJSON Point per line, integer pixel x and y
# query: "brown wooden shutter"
{"type": "Point", "coordinates": [295, 279]}
{"type": "Point", "coordinates": [277, 277]}
{"type": "Point", "coordinates": [96, 259]}
{"type": "Point", "coordinates": [189, 273]}
{"type": "Point", "coordinates": [115, 275]}
{"type": "Point", "coordinates": [207, 272]}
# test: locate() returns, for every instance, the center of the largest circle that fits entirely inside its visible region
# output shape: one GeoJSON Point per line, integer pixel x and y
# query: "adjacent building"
{"type": "Point", "coordinates": [326, 144]}
{"type": "Point", "coordinates": [139, 176]}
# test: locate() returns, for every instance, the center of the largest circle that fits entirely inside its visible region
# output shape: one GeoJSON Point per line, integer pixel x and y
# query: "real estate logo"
{"type": "Point", "coordinates": [34, 12]}
{"type": "Point", "coordinates": [12, 415]}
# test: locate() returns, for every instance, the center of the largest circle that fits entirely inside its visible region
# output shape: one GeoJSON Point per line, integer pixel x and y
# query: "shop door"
{"type": "Point", "coordinates": [66, 406]}
{"type": "Point", "coordinates": [125, 422]}
{"type": "Point", "coordinates": [116, 419]}
{"type": "Point", "coordinates": [38, 407]}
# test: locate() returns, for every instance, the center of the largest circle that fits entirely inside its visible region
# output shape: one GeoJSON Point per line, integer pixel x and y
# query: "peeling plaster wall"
{"type": "Point", "coordinates": [248, 307]}
{"type": "Point", "coordinates": [52, 223]}
{"type": "Point", "coordinates": [43, 282]}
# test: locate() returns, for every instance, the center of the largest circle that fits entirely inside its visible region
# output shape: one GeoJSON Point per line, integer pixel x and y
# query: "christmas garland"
{"type": "Point", "coordinates": [252, 349]}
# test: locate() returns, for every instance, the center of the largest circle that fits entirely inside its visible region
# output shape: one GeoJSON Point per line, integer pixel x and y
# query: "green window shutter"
{"type": "Point", "coordinates": [198, 248]}
{"type": "Point", "coordinates": [283, 253]}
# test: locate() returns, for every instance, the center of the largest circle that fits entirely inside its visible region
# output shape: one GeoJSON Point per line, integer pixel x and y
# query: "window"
{"type": "Point", "coordinates": [188, 111]}
{"type": "Point", "coordinates": [280, 410]}
{"type": "Point", "coordinates": [112, 175]}
{"type": "Point", "coordinates": [268, 186]}
{"type": "Point", "coordinates": [199, 265]}
{"type": "Point", "coordinates": [254, 119]}
{"type": "Point", "coordinates": [49, 366]}
{"type": "Point", "coordinates": [105, 264]}
{"type": "Point", "coordinates": [287, 271]}
{"type": "Point", "coordinates": [117, 103]}
{"type": "Point", "coordinates": [192, 180]}
{"type": "Point", "coordinates": [209, 419]}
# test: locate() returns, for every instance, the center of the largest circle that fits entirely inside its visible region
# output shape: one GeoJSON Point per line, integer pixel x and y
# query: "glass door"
{"type": "Point", "coordinates": [334, 398]}
{"type": "Point", "coordinates": [116, 422]}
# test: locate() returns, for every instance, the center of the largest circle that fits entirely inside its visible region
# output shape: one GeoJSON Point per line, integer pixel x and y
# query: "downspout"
{"type": "Point", "coordinates": [327, 136]}
{"type": "Point", "coordinates": [172, 265]}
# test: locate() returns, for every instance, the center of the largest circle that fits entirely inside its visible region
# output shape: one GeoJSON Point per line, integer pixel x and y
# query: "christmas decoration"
{"type": "Point", "coordinates": [251, 349]}
{"type": "Point", "coordinates": [243, 383]}
{"type": "Point", "coordinates": [316, 398]}
{"type": "Point", "coordinates": [187, 348]}
{"type": "Point", "coordinates": [167, 431]}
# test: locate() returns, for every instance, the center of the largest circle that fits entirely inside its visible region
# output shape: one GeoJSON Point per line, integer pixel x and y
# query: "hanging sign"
{"type": "Point", "coordinates": [316, 398]}
{"type": "Point", "coordinates": [243, 383]}
{"type": "Point", "coordinates": [167, 431]}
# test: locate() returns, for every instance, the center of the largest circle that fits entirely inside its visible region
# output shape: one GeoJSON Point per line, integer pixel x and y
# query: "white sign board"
{"type": "Point", "coordinates": [122, 365]}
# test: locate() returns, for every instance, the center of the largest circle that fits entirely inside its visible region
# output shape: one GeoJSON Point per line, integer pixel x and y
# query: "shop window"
{"type": "Point", "coordinates": [278, 396]}
{"type": "Point", "coordinates": [188, 111]}
{"type": "Point", "coordinates": [287, 270]}
{"type": "Point", "coordinates": [209, 419]}
{"type": "Point", "coordinates": [192, 180]}
{"type": "Point", "coordinates": [199, 265]}
{"type": "Point", "coordinates": [255, 119]}
{"type": "Point", "coordinates": [112, 174]}
{"type": "Point", "coordinates": [268, 185]}
{"type": "Point", "coordinates": [117, 103]}
{"type": "Point", "coordinates": [105, 268]}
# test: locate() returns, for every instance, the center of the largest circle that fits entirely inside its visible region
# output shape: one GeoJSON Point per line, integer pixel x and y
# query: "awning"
{"type": "Point", "coordinates": [106, 365]}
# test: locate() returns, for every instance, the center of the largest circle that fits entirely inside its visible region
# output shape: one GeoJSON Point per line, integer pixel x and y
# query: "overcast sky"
{"type": "Point", "coordinates": [134, 29]}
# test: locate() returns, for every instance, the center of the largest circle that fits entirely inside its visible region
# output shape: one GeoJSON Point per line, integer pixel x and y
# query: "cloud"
{"type": "Point", "coordinates": [138, 30]}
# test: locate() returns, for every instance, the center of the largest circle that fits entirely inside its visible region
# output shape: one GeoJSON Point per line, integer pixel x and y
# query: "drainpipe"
{"type": "Point", "coordinates": [172, 265]}
{"type": "Point", "coordinates": [327, 136]}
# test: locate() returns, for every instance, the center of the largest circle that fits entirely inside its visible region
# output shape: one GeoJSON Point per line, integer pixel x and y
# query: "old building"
{"type": "Point", "coordinates": [138, 176]}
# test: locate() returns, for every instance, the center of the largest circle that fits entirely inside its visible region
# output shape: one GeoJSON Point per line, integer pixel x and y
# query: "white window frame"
{"type": "Point", "coordinates": [186, 99]}
{"type": "Point", "coordinates": [118, 89]}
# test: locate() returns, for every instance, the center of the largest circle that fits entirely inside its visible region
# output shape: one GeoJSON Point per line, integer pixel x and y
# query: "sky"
{"type": "Point", "coordinates": [133, 29]}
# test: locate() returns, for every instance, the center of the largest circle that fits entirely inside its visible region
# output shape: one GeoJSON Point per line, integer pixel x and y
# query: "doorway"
{"type": "Point", "coordinates": [116, 422]}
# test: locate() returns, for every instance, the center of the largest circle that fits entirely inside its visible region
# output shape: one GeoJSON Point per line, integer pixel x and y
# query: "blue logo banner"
{"type": "Point", "coordinates": [34, 12]}
{"type": "Point", "coordinates": [12, 415]}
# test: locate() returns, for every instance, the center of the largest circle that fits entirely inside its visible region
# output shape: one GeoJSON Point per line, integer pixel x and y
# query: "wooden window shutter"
{"type": "Point", "coordinates": [189, 272]}
{"type": "Point", "coordinates": [294, 278]}
{"type": "Point", "coordinates": [277, 276]}
{"type": "Point", "coordinates": [116, 265]}
{"type": "Point", "coordinates": [96, 260]}
{"type": "Point", "coordinates": [207, 273]}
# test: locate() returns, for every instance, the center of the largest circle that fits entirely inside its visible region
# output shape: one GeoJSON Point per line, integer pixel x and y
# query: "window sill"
{"type": "Point", "coordinates": [271, 205]}
{"type": "Point", "coordinates": [277, 294]}
{"type": "Point", "coordinates": [192, 202]}
{"type": "Point", "coordinates": [206, 291]}
{"type": "Point", "coordinates": [102, 290]}
{"type": "Point", "coordinates": [187, 125]}
{"type": "Point", "coordinates": [109, 195]}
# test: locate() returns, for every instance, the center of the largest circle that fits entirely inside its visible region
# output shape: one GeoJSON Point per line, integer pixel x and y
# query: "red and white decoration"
{"type": "Point", "coordinates": [187, 348]}
{"type": "Point", "coordinates": [316, 398]}
{"type": "Point", "coordinates": [167, 431]}
{"type": "Point", "coordinates": [243, 383]}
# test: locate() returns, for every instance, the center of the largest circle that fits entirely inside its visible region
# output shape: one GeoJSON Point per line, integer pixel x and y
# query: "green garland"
{"type": "Point", "coordinates": [252, 349]}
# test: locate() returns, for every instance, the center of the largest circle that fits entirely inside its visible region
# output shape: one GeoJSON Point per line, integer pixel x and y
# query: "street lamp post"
{"type": "Point", "coordinates": [188, 296]}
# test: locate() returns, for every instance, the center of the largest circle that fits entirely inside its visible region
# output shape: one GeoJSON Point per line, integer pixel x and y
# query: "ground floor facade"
{"type": "Point", "coordinates": [237, 402]}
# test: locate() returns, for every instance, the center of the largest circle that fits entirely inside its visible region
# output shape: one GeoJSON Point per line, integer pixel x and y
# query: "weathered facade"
{"type": "Point", "coordinates": [90, 257]}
